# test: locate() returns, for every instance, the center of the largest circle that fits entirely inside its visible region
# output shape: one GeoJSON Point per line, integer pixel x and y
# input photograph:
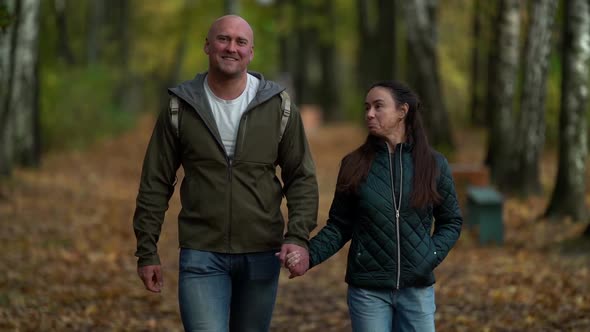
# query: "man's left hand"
{"type": "Point", "coordinates": [295, 258]}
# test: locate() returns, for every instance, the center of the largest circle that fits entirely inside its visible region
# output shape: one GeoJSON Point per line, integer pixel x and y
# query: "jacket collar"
{"type": "Point", "coordinates": [381, 145]}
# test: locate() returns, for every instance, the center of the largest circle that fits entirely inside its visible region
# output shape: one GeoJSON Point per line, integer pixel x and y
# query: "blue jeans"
{"type": "Point", "coordinates": [407, 309]}
{"type": "Point", "coordinates": [227, 292]}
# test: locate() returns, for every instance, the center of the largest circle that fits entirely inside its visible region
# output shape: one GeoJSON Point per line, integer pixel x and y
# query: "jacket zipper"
{"type": "Point", "coordinates": [229, 178]}
{"type": "Point", "coordinates": [397, 208]}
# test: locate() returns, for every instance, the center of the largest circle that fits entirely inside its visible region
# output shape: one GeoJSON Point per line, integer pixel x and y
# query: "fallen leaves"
{"type": "Point", "coordinates": [67, 256]}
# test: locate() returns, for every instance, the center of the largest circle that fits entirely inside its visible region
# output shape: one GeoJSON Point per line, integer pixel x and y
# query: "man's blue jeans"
{"type": "Point", "coordinates": [227, 292]}
{"type": "Point", "coordinates": [407, 309]}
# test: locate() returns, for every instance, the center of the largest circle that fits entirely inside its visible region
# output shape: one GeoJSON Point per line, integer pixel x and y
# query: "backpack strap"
{"type": "Point", "coordinates": [286, 108]}
{"type": "Point", "coordinates": [174, 114]}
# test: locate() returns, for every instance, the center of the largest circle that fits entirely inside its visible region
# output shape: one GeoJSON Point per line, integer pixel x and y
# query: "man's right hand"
{"type": "Point", "coordinates": [151, 275]}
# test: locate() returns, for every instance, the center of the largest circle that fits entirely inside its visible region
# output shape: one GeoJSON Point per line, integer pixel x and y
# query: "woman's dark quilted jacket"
{"type": "Point", "coordinates": [378, 257]}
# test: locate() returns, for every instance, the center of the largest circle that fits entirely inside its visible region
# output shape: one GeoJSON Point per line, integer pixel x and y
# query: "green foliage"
{"type": "Point", "coordinates": [5, 17]}
{"type": "Point", "coordinates": [77, 107]}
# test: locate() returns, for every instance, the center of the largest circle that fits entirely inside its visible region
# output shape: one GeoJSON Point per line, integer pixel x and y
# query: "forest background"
{"type": "Point", "coordinates": [504, 85]}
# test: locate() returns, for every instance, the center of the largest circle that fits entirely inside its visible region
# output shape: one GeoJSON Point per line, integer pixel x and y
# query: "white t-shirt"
{"type": "Point", "coordinates": [227, 113]}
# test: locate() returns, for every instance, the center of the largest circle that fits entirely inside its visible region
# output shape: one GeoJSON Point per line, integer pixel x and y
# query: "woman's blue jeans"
{"type": "Point", "coordinates": [227, 292]}
{"type": "Point", "coordinates": [407, 309]}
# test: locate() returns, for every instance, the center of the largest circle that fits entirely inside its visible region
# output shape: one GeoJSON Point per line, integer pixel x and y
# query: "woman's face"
{"type": "Point", "coordinates": [382, 114]}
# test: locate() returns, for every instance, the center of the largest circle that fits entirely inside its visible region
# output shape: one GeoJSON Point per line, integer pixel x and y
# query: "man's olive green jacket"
{"type": "Point", "coordinates": [228, 205]}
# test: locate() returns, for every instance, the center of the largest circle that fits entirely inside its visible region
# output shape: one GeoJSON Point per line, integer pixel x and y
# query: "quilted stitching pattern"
{"type": "Point", "coordinates": [369, 220]}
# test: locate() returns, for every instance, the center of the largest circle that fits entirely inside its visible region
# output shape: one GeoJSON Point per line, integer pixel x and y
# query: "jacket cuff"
{"type": "Point", "coordinates": [297, 241]}
{"type": "Point", "coordinates": [150, 260]}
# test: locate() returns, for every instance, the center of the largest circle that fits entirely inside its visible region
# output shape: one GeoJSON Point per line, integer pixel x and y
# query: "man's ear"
{"type": "Point", "coordinates": [206, 47]}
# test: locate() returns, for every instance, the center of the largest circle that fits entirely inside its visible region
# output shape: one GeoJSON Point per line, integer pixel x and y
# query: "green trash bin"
{"type": "Point", "coordinates": [484, 211]}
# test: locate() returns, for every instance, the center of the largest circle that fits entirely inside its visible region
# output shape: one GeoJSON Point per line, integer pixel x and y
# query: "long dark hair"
{"type": "Point", "coordinates": [356, 165]}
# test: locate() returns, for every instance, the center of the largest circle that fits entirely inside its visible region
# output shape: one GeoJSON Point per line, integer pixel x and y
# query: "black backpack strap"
{"type": "Point", "coordinates": [174, 114]}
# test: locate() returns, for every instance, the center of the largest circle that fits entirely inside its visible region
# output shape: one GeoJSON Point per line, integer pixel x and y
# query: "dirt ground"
{"type": "Point", "coordinates": [67, 247]}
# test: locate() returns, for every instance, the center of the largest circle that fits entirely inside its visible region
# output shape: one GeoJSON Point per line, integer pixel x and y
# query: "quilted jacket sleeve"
{"type": "Point", "coordinates": [338, 229]}
{"type": "Point", "coordinates": [447, 214]}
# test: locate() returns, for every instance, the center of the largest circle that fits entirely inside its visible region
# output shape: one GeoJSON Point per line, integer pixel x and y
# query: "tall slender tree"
{"type": "Point", "coordinates": [64, 49]}
{"type": "Point", "coordinates": [7, 39]}
{"type": "Point", "coordinates": [327, 51]}
{"type": "Point", "coordinates": [231, 7]}
{"type": "Point", "coordinates": [420, 20]}
{"type": "Point", "coordinates": [307, 40]}
{"type": "Point", "coordinates": [95, 11]}
{"type": "Point", "coordinates": [376, 41]}
{"type": "Point", "coordinates": [502, 81]}
{"type": "Point", "coordinates": [530, 136]}
{"type": "Point", "coordinates": [25, 85]}
{"type": "Point", "coordinates": [476, 107]}
{"type": "Point", "coordinates": [569, 194]}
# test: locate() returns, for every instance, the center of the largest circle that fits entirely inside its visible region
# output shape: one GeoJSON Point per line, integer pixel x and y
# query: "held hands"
{"type": "Point", "coordinates": [295, 258]}
{"type": "Point", "coordinates": [151, 275]}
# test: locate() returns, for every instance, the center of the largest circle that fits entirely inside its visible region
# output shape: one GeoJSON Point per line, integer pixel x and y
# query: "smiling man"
{"type": "Point", "coordinates": [229, 129]}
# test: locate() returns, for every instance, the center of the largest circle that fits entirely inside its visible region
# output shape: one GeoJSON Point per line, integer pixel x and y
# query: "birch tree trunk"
{"type": "Point", "coordinates": [7, 40]}
{"type": "Point", "coordinates": [24, 101]}
{"type": "Point", "coordinates": [530, 136]}
{"type": "Point", "coordinates": [568, 197]}
{"type": "Point", "coordinates": [502, 79]}
{"type": "Point", "coordinates": [421, 34]}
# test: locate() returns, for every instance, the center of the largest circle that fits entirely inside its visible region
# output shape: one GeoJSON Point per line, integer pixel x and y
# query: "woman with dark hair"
{"type": "Point", "coordinates": [389, 192]}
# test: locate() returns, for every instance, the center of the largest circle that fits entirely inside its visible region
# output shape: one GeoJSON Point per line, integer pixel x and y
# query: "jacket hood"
{"type": "Point", "coordinates": [193, 91]}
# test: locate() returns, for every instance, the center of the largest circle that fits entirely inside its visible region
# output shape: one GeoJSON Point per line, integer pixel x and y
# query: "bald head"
{"type": "Point", "coordinates": [232, 20]}
{"type": "Point", "coordinates": [230, 47]}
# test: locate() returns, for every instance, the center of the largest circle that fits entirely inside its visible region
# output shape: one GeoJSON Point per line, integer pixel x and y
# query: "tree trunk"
{"type": "Point", "coordinates": [530, 136]}
{"type": "Point", "coordinates": [93, 41]}
{"type": "Point", "coordinates": [568, 197]}
{"type": "Point", "coordinates": [306, 42]}
{"type": "Point", "coordinates": [329, 82]}
{"type": "Point", "coordinates": [385, 37]}
{"type": "Point", "coordinates": [25, 86]}
{"type": "Point", "coordinates": [64, 50]}
{"type": "Point", "coordinates": [502, 79]}
{"type": "Point", "coordinates": [421, 34]}
{"type": "Point", "coordinates": [376, 35]}
{"type": "Point", "coordinates": [366, 66]}
{"type": "Point", "coordinates": [7, 41]}
{"type": "Point", "coordinates": [172, 75]}
{"type": "Point", "coordinates": [117, 18]}
{"type": "Point", "coordinates": [231, 7]}
{"type": "Point", "coordinates": [476, 108]}
{"type": "Point", "coordinates": [287, 56]}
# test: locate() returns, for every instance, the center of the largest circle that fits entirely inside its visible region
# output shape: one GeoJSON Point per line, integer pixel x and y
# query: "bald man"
{"type": "Point", "coordinates": [230, 133]}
